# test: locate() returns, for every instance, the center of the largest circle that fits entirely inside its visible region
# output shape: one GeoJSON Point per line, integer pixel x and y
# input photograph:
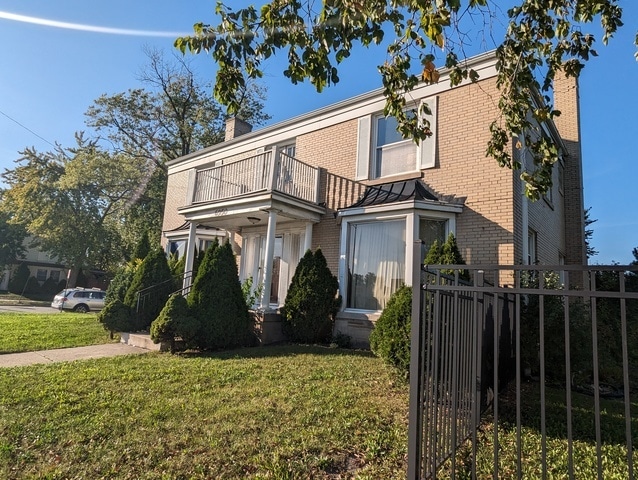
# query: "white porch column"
{"type": "Point", "coordinates": [190, 255]}
{"type": "Point", "coordinates": [270, 253]}
{"type": "Point", "coordinates": [307, 244]}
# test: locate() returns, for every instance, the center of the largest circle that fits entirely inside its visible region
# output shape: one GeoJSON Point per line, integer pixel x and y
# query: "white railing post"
{"type": "Point", "coordinates": [192, 181]}
{"type": "Point", "coordinates": [270, 254]}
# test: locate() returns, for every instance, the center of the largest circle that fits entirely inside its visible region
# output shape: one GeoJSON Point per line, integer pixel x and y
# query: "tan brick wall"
{"type": "Point", "coordinates": [334, 149]}
{"type": "Point", "coordinates": [566, 100]}
{"type": "Point", "coordinates": [176, 189]}
{"type": "Point", "coordinates": [485, 229]}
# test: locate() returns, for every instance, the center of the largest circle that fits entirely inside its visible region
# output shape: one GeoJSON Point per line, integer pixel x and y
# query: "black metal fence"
{"type": "Point", "coordinates": [524, 372]}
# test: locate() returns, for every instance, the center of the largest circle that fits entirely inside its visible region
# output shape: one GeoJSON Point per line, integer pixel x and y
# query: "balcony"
{"type": "Point", "coordinates": [261, 173]}
{"type": "Point", "coordinates": [235, 194]}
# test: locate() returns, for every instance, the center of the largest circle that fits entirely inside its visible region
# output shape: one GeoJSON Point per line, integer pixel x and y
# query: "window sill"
{"type": "Point", "coordinates": [394, 178]}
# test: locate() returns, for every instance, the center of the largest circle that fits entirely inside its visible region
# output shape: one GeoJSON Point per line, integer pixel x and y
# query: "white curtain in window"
{"type": "Point", "coordinates": [376, 263]}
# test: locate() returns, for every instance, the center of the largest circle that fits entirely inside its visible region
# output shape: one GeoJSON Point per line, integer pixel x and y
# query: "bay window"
{"type": "Point", "coordinates": [376, 262]}
{"type": "Point", "coordinates": [377, 251]}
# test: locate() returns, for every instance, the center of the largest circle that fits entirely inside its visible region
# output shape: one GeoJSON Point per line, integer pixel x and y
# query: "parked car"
{"type": "Point", "coordinates": [79, 299]}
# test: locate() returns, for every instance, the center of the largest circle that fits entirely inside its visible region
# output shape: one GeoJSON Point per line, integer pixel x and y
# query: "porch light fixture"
{"type": "Point", "coordinates": [253, 220]}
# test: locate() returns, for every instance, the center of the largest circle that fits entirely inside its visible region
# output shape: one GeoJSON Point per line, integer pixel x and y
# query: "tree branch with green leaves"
{"type": "Point", "coordinates": [542, 38]}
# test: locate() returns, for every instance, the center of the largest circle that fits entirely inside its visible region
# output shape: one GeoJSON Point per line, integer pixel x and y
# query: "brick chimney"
{"type": "Point", "coordinates": [236, 127]}
{"type": "Point", "coordinates": [566, 100]}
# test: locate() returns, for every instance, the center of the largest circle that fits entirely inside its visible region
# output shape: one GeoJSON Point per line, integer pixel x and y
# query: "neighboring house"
{"type": "Point", "coordinates": [42, 265]}
{"type": "Point", "coordinates": [342, 179]}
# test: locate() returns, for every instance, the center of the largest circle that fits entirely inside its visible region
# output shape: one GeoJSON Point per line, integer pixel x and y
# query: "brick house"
{"type": "Point", "coordinates": [342, 179]}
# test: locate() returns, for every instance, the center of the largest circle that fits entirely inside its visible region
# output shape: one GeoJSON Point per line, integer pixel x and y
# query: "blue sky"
{"type": "Point", "coordinates": [50, 75]}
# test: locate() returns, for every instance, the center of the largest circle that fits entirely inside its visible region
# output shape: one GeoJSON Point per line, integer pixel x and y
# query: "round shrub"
{"type": "Point", "coordinates": [390, 339]}
{"type": "Point", "coordinates": [312, 302]}
{"type": "Point", "coordinates": [116, 317]}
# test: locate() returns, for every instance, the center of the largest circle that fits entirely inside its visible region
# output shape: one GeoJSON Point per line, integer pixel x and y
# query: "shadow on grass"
{"type": "Point", "coordinates": [612, 414]}
{"type": "Point", "coordinates": [279, 350]}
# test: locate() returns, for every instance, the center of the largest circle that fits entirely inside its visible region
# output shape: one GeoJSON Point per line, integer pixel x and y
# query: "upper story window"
{"type": "Point", "coordinates": [383, 152]}
{"type": "Point", "coordinates": [392, 153]}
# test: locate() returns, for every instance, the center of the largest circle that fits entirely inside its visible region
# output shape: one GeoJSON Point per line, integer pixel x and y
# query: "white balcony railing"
{"type": "Point", "coordinates": [263, 172]}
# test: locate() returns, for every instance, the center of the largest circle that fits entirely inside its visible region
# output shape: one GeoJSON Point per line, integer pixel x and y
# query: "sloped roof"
{"type": "Point", "coordinates": [393, 192]}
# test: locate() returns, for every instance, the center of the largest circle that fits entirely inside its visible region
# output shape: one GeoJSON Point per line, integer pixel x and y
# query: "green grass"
{"type": "Point", "coordinates": [7, 298]}
{"type": "Point", "coordinates": [271, 412]}
{"type": "Point", "coordinates": [24, 332]}
{"type": "Point", "coordinates": [613, 442]}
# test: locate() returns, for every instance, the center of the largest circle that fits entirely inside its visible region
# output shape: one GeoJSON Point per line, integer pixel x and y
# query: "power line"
{"type": "Point", "coordinates": [27, 129]}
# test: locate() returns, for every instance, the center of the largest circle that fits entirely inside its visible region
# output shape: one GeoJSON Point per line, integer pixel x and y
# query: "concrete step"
{"type": "Point", "coordinates": [142, 340]}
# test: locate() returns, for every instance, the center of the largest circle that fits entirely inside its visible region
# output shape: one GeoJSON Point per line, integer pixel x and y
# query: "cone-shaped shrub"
{"type": "Point", "coordinates": [153, 272]}
{"type": "Point", "coordinates": [447, 253]}
{"type": "Point", "coordinates": [20, 278]}
{"type": "Point", "coordinates": [312, 302]}
{"type": "Point", "coordinates": [216, 301]}
{"type": "Point", "coordinates": [390, 339]}
{"type": "Point", "coordinates": [33, 287]}
{"type": "Point", "coordinates": [174, 321]}
{"type": "Point", "coordinates": [122, 281]}
{"type": "Point", "coordinates": [143, 248]}
{"type": "Point", "coordinates": [50, 286]}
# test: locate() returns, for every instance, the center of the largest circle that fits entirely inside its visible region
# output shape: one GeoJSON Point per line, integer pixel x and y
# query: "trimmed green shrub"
{"type": "Point", "coordinates": [217, 302]}
{"type": "Point", "coordinates": [49, 286]}
{"type": "Point", "coordinates": [81, 280]}
{"type": "Point", "coordinates": [447, 253]}
{"type": "Point", "coordinates": [33, 287]}
{"type": "Point", "coordinates": [18, 282]}
{"type": "Point", "coordinates": [153, 272]}
{"type": "Point", "coordinates": [312, 301]}
{"type": "Point", "coordinates": [116, 317]}
{"type": "Point", "coordinates": [142, 248]}
{"type": "Point", "coordinates": [121, 282]}
{"type": "Point", "coordinates": [174, 321]}
{"type": "Point", "coordinates": [390, 339]}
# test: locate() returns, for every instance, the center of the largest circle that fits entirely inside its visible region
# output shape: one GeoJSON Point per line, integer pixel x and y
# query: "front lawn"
{"type": "Point", "coordinates": [25, 332]}
{"type": "Point", "coordinates": [271, 412]}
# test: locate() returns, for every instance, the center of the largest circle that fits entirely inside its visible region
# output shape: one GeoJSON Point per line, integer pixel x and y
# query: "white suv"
{"type": "Point", "coordinates": [79, 299]}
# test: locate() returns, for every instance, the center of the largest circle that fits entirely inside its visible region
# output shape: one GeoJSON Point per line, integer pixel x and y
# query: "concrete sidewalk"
{"type": "Point", "coordinates": [69, 354]}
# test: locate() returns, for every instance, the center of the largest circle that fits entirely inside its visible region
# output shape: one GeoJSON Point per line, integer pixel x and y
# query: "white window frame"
{"type": "Point", "coordinates": [367, 138]}
{"type": "Point", "coordinates": [257, 236]}
{"type": "Point", "coordinates": [381, 213]}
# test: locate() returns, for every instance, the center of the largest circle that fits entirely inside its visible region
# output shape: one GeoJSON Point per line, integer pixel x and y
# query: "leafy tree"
{"type": "Point", "coordinates": [154, 275]}
{"type": "Point", "coordinates": [171, 116]}
{"type": "Point", "coordinates": [11, 240]}
{"type": "Point", "coordinates": [71, 202]}
{"type": "Point", "coordinates": [312, 301]}
{"type": "Point", "coordinates": [174, 321]}
{"type": "Point", "coordinates": [589, 234]}
{"type": "Point", "coordinates": [217, 302]}
{"type": "Point", "coordinates": [543, 37]}
{"type": "Point", "coordinates": [390, 339]}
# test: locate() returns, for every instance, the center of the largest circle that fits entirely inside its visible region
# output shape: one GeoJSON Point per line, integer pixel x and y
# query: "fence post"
{"type": "Point", "coordinates": [415, 419]}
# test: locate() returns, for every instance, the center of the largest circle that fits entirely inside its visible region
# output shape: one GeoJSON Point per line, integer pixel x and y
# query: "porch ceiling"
{"type": "Point", "coordinates": [234, 213]}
